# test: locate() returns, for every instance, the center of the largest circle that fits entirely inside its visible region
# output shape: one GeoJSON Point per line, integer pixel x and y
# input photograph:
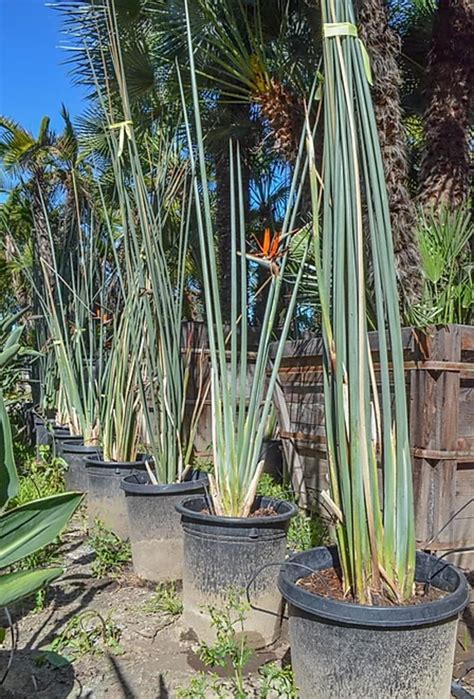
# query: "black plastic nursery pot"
{"type": "Point", "coordinates": [59, 434]}
{"type": "Point", "coordinates": [59, 439]}
{"type": "Point", "coordinates": [156, 536]}
{"type": "Point", "coordinates": [74, 452]}
{"type": "Point", "coordinates": [41, 427]}
{"type": "Point", "coordinates": [272, 456]}
{"type": "Point", "coordinates": [225, 553]}
{"type": "Point", "coordinates": [106, 499]}
{"type": "Point", "coordinates": [340, 649]}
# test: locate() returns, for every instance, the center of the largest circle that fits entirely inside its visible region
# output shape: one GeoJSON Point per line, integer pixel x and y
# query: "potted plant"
{"type": "Point", "coordinates": [73, 348]}
{"type": "Point", "coordinates": [231, 532]}
{"type": "Point", "coordinates": [154, 215]}
{"type": "Point", "coordinates": [370, 617]}
{"type": "Point", "coordinates": [118, 455]}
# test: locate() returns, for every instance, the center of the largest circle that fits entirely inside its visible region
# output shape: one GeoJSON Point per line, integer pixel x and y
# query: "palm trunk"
{"type": "Point", "coordinates": [44, 258]}
{"type": "Point", "coordinates": [445, 163]}
{"type": "Point", "coordinates": [383, 47]}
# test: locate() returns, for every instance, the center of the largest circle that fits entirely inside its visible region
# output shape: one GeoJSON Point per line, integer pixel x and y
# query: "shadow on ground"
{"type": "Point", "coordinates": [29, 676]}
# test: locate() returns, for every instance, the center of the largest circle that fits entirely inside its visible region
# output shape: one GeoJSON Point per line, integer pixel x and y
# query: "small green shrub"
{"type": "Point", "coordinates": [165, 599]}
{"type": "Point", "coordinates": [230, 651]}
{"type": "Point", "coordinates": [111, 553]}
{"type": "Point", "coordinates": [204, 686]}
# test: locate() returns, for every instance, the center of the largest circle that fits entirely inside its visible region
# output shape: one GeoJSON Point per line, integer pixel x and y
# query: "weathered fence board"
{"type": "Point", "coordinates": [440, 387]}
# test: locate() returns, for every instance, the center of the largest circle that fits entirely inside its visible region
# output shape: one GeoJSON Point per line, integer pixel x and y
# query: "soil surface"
{"type": "Point", "coordinates": [154, 658]}
{"type": "Point", "coordinates": [328, 583]}
{"type": "Point", "coordinates": [263, 512]}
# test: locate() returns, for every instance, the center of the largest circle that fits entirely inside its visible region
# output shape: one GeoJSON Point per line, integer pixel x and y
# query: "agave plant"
{"type": "Point", "coordinates": [28, 528]}
{"type": "Point", "coordinates": [365, 401]}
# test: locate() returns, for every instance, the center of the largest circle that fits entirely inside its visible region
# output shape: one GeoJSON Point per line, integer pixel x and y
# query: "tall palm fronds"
{"type": "Point", "coordinates": [447, 265]}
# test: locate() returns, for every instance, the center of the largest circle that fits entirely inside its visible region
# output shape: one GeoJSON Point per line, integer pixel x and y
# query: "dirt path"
{"type": "Point", "coordinates": [156, 658]}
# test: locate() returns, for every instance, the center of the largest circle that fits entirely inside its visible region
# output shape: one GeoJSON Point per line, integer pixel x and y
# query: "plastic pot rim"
{"type": "Point", "coordinates": [348, 613]}
{"type": "Point", "coordinates": [197, 516]}
{"type": "Point", "coordinates": [133, 488]}
{"type": "Point", "coordinates": [75, 445]}
{"type": "Point", "coordinates": [92, 462]}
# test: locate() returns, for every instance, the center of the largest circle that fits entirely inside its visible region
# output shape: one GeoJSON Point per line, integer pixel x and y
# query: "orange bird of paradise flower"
{"type": "Point", "coordinates": [269, 251]}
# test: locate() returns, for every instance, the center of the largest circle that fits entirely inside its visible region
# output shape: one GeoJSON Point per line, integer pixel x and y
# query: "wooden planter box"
{"type": "Point", "coordinates": [440, 387]}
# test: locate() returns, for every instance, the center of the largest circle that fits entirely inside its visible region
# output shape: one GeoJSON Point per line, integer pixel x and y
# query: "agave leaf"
{"type": "Point", "coordinates": [30, 527]}
{"type": "Point", "coordinates": [6, 324]}
{"type": "Point", "coordinates": [22, 583]}
{"type": "Point", "coordinates": [8, 353]}
{"type": "Point", "coordinates": [8, 474]}
{"type": "Point", "coordinates": [14, 337]}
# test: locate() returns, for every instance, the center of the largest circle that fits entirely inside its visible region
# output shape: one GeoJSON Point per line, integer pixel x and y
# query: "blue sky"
{"type": "Point", "coordinates": [33, 81]}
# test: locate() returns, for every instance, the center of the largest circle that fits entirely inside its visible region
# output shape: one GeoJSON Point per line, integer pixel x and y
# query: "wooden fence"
{"type": "Point", "coordinates": [440, 387]}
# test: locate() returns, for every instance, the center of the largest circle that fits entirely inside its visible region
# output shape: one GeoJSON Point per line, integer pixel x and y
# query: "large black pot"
{"type": "Point", "coordinates": [223, 554]}
{"type": "Point", "coordinates": [60, 439]}
{"type": "Point", "coordinates": [106, 499]}
{"type": "Point", "coordinates": [340, 649]}
{"type": "Point", "coordinates": [156, 536]}
{"type": "Point", "coordinates": [74, 453]}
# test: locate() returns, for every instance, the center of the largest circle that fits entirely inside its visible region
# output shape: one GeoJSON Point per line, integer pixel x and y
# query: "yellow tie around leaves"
{"type": "Point", "coordinates": [333, 29]}
{"type": "Point", "coordinates": [125, 128]}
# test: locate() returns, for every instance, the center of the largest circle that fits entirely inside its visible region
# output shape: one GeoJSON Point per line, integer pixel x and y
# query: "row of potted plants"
{"type": "Point", "coordinates": [369, 616]}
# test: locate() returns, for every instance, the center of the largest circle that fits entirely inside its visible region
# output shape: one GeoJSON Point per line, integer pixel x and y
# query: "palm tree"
{"type": "Point", "coordinates": [45, 166]}
{"type": "Point", "coordinates": [383, 46]}
{"type": "Point", "coordinates": [444, 177]}
{"type": "Point", "coordinates": [29, 158]}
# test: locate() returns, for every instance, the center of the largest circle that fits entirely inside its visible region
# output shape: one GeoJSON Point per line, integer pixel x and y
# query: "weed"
{"type": "Point", "coordinates": [88, 633]}
{"type": "Point", "coordinates": [204, 686]}
{"type": "Point", "coordinates": [230, 651]}
{"type": "Point", "coordinates": [165, 599]}
{"type": "Point", "coordinates": [203, 463]}
{"type": "Point", "coordinates": [305, 531]}
{"type": "Point", "coordinates": [268, 487]}
{"type": "Point", "coordinates": [40, 476]}
{"type": "Point", "coordinates": [111, 553]}
{"type": "Point", "coordinates": [277, 682]}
